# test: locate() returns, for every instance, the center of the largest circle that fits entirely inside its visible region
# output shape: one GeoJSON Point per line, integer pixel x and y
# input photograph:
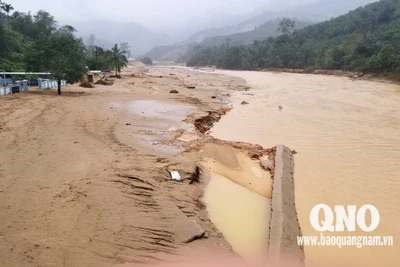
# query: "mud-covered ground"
{"type": "Point", "coordinates": [84, 177]}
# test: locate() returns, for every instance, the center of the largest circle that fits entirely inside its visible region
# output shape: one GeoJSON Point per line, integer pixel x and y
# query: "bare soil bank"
{"type": "Point", "coordinates": [339, 73]}
{"type": "Point", "coordinates": [84, 181]}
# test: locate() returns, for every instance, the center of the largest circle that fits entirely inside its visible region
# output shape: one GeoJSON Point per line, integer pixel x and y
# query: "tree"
{"type": "Point", "coordinates": [7, 8]}
{"type": "Point", "coordinates": [117, 59]}
{"type": "Point", "coordinates": [286, 26]}
{"type": "Point", "coordinates": [61, 53]}
{"type": "Point", "coordinates": [44, 23]}
{"type": "Point", "coordinates": [147, 61]}
{"type": "Point", "coordinates": [126, 48]}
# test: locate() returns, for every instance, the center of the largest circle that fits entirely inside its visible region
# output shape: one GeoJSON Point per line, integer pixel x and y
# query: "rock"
{"type": "Point", "coordinates": [193, 232]}
{"type": "Point", "coordinates": [280, 108]}
{"type": "Point", "coordinates": [244, 103]}
{"type": "Point", "coordinates": [174, 92]}
{"type": "Point", "coordinates": [213, 97]}
{"type": "Point", "coordinates": [191, 87]}
{"type": "Point", "coordinates": [128, 124]}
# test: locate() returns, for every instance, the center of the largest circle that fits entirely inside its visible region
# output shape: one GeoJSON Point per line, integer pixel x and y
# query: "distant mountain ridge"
{"type": "Point", "coordinates": [249, 30]}
{"type": "Point", "coordinates": [314, 12]}
{"type": "Point", "coordinates": [140, 38]}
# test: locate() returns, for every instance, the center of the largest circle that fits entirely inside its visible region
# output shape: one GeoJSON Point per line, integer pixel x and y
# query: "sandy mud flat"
{"type": "Point", "coordinates": [85, 177]}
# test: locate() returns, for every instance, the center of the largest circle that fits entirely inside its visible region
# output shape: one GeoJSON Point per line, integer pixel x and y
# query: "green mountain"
{"type": "Point", "coordinates": [168, 52]}
{"type": "Point", "coordinates": [258, 25]}
{"type": "Point", "coordinates": [266, 30]}
{"type": "Point", "coordinates": [366, 39]}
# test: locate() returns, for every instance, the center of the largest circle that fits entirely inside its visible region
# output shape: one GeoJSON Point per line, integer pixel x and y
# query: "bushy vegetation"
{"type": "Point", "coordinates": [146, 60]}
{"type": "Point", "coordinates": [36, 43]}
{"type": "Point", "coordinates": [366, 39]}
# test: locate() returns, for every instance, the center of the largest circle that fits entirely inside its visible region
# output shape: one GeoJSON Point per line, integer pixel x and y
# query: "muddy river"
{"type": "Point", "coordinates": [347, 135]}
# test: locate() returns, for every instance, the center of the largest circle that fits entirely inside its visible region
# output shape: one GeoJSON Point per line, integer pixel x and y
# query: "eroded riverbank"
{"type": "Point", "coordinates": [95, 187]}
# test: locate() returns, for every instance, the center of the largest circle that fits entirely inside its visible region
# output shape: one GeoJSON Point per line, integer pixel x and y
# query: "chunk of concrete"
{"type": "Point", "coordinates": [266, 163]}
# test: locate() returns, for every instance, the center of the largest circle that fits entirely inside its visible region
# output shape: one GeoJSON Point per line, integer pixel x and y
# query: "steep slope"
{"type": "Point", "coordinates": [167, 53]}
{"type": "Point", "coordinates": [266, 30]}
{"type": "Point", "coordinates": [249, 29]}
{"type": "Point", "coordinates": [366, 39]}
{"type": "Point", "coordinates": [315, 12]}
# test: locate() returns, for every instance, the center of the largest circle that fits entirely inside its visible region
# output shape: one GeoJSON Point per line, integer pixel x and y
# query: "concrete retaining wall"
{"type": "Point", "coordinates": [5, 90]}
{"type": "Point", "coordinates": [284, 224]}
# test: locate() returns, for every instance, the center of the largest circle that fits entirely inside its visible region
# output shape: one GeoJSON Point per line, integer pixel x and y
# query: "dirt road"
{"type": "Point", "coordinates": [80, 187]}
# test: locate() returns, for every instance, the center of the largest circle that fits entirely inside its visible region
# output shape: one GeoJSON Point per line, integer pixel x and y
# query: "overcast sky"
{"type": "Point", "coordinates": [147, 12]}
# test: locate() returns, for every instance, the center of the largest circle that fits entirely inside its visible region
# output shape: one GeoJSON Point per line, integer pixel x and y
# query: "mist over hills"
{"type": "Point", "coordinates": [107, 33]}
{"type": "Point", "coordinates": [314, 12]}
{"type": "Point", "coordinates": [218, 23]}
{"type": "Point", "coordinates": [259, 25]}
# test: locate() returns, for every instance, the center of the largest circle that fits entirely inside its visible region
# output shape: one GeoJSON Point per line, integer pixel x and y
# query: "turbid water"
{"type": "Point", "coordinates": [238, 199]}
{"type": "Point", "coordinates": [237, 213]}
{"type": "Point", "coordinates": [347, 135]}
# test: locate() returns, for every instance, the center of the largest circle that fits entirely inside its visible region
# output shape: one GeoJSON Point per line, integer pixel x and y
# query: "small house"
{"type": "Point", "coordinates": [93, 76]}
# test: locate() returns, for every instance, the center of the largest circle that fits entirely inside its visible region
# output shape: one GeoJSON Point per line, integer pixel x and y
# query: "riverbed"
{"type": "Point", "coordinates": [346, 133]}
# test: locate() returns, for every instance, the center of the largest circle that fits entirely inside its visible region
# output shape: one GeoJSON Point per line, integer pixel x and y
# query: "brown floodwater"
{"type": "Point", "coordinates": [347, 135]}
{"type": "Point", "coordinates": [238, 201]}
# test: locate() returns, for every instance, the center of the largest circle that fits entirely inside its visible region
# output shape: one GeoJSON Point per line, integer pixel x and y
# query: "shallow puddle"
{"type": "Point", "coordinates": [238, 199]}
{"type": "Point", "coordinates": [163, 124]}
{"type": "Point", "coordinates": [241, 215]}
{"type": "Point", "coordinates": [171, 112]}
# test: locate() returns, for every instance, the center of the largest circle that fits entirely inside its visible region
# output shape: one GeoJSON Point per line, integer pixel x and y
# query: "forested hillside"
{"type": "Point", "coordinates": [366, 39]}
{"type": "Point", "coordinates": [180, 52]}
{"type": "Point", "coordinates": [268, 29]}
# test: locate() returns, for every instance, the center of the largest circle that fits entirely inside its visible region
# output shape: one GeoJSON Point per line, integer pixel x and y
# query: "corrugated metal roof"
{"type": "Point", "coordinates": [26, 73]}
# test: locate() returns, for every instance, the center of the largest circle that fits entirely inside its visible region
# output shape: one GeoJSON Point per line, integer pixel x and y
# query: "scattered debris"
{"type": "Point", "coordinates": [86, 85]}
{"type": "Point", "coordinates": [174, 92]}
{"type": "Point", "coordinates": [191, 87]}
{"type": "Point", "coordinates": [244, 103]}
{"type": "Point", "coordinates": [195, 177]}
{"type": "Point", "coordinates": [172, 74]}
{"type": "Point", "coordinates": [105, 82]}
{"type": "Point", "coordinates": [132, 83]}
{"type": "Point", "coordinates": [175, 176]}
{"type": "Point", "coordinates": [280, 108]}
{"type": "Point", "coordinates": [128, 124]}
